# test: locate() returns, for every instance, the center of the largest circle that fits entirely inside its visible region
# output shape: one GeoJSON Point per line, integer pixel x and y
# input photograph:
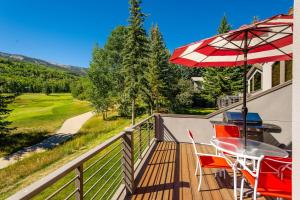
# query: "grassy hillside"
{"type": "Point", "coordinates": [23, 173]}
{"type": "Point", "coordinates": [35, 116]}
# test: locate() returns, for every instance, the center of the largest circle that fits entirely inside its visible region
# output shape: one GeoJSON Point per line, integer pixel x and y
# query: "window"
{"type": "Point", "coordinates": [255, 82]}
{"type": "Point", "coordinates": [288, 70]}
{"type": "Point", "coordinates": [275, 74]}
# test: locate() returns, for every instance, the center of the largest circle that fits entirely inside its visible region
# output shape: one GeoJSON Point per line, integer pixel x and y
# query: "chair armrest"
{"type": "Point", "coordinates": [203, 143]}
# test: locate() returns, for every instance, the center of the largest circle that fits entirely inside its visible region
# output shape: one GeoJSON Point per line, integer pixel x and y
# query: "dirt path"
{"type": "Point", "coordinates": [68, 129]}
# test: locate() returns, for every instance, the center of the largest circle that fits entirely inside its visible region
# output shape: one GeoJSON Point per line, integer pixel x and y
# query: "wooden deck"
{"type": "Point", "coordinates": [169, 174]}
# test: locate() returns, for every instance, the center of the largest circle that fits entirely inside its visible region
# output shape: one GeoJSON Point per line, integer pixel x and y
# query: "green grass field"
{"type": "Point", "coordinates": [28, 170]}
{"type": "Point", "coordinates": [45, 112]}
{"type": "Point", "coordinates": [35, 116]}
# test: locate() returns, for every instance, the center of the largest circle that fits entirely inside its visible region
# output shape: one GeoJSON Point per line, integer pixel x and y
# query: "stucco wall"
{"type": "Point", "coordinates": [274, 108]}
{"type": "Point", "coordinates": [267, 76]}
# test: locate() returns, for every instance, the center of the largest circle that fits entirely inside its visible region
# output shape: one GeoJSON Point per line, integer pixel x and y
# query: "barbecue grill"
{"type": "Point", "coordinates": [255, 125]}
{"type": "Point", "coordinates": [253, 119]}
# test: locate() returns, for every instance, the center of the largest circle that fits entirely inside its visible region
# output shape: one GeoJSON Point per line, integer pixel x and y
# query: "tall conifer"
{"type": "Point", "coordinates": [135, 54]}
{"type": "Point", "coordinates": [159, 75]}
{"type": "Point", "coordinates": [4, 111]}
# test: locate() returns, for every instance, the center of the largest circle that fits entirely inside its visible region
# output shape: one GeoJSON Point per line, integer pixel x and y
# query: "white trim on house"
{"type": "Point", "coordinates": [252, 76]}
{"type": "Point", "coordinates": [266, 71]}
{"type": "Point", "coordinates": [296, 101]}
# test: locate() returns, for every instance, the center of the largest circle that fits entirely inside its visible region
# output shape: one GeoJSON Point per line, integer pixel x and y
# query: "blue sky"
{"type": "Point", "coordinates": [65, 31]}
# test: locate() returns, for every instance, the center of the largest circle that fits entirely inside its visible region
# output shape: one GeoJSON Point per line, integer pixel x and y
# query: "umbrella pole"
{"type": "Point", "coordinates": [244, 108]}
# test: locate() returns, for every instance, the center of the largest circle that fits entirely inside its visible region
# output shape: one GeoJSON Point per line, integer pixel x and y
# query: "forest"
{"type": "Point", "coordinates": [25, 77]}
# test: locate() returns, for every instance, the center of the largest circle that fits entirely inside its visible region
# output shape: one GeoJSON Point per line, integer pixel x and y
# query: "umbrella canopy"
{"type": "Point", "coordinates": [268, 40]}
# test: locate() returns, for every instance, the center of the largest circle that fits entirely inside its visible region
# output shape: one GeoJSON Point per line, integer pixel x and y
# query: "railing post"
{"type": "Point", "coordinates": [79, 182]}
{"type": "Point", "coordinates": [128, 161]}
{"type": "Point", "coordinates": [156, 127]}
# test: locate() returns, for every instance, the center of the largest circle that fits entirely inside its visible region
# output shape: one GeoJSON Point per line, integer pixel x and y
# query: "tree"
{"type": "Point", "coordinates": [100, 75]}
{"type": "Point", "coordinates": [159, 75]}
{"type": "Point", "coordinates": [81, 88]}
{"type": "Point", "coordinates": [184, 96]}
{"type": "Point", "coordinates": [135, 54]}
{"type": "Point", "coordinates": [4, 111]}
{"type": "Point", "coordinates": [106, 73]}
{"type": "Point", "coordinates": [114, 48]}
{"type": "Point", "coordinates": [224, 80]}
{"type": "Point", "coordinates": [46, 89]}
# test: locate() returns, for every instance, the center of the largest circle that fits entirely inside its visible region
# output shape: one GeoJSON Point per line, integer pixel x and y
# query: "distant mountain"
{"type": "Point", "coordinates": [70, 68]}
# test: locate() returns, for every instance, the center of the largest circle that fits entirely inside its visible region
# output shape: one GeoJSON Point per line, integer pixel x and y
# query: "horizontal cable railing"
{"type": "Point", "coordinates": [143, 135]}
{"type": "Point", "coordinates": [98, 173]}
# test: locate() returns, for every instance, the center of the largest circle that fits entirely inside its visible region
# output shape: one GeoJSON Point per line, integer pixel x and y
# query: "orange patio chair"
{"type": "Point", "coordinates": [272, 177]}
{"type": "Point", "coordinates": [222, 130]}
{"type": "Point", "coordinates": [205, 160]}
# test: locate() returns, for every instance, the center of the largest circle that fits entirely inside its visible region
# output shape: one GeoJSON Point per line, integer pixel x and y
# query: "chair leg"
{"type": "Point", "coordinates": [197, 166]}
{"type": "Point", "coordinates": [254, 195]}
{"type": "Point", "coordinates": [242, 188]}
{"type": "Point", "coordinates": [234, 184]}
{"type": "Point", "coordinates": [200, 179]}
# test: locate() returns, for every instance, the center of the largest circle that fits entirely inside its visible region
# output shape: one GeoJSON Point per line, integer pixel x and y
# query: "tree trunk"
{"type": "Point", "coordinates": [103, 115]}
{"type": "Point", "coordinates": [133, 112]}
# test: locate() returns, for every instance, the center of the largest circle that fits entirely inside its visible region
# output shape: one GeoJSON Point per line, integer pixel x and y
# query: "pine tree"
{"type": "Point", "coordinates": [114, 47]}
{"type": "Point", "coordinates": [159, 75]}
{"type": "Point", "coordinates": [135, 54]}
{"type": "Point", "coordinates": [4, 111]}
{"type": "Point", "coordinates": [224, 80]}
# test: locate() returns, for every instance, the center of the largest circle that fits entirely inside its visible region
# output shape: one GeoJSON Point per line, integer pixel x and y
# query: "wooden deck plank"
{"type": "Point", "coordinates": [152, 184]}
{"type": "Point", "coordinates": [161, 178]}
{"type": "Point", "coordinates": [168, 191]}
{"type": "Point", "coordinates": [185, 189]}
{"type": "Point", "coordinates": [142, 192]}
{"type": "Point", "coordinates": [170, 175]}
{"type": "Point", "coordinates": [194, 180]}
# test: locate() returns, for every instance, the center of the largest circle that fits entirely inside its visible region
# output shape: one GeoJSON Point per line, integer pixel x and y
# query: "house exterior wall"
{"type": "Point", "coordinates": [274, 108]}
{"type": "Point", "coordinates": [296, 101]}
{"type": "Point", "coordinates": [267, 76]}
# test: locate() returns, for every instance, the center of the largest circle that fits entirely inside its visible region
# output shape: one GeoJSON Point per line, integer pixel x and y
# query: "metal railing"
{"type": "Point", "coordinates": [100, 172]}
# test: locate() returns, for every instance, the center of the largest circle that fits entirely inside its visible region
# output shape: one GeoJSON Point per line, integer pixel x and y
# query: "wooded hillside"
{"type": "Point", "coordinates": [21, 76]}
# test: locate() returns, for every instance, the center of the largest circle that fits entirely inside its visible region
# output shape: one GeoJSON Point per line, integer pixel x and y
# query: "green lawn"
{"type": "Point", "coordinates": [197, 111]}
{"type": "Point", "coordinates": [45, 112]}
{"type": "Point", "coordinates": [30, 169]}
{"type": "Point", "coordinates": [35, 116]}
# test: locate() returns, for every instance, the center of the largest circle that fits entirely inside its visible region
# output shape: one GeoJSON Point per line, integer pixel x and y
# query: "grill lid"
{"type": "Point", "coordinates": [237, 117]}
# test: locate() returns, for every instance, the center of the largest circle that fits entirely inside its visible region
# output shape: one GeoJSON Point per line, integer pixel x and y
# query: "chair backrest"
{"type": "Point", "coordinates": [279, 171]}
{"type": "Point", "coordinates": [191, 136]}
{"type": "Point", "coordinates": [222, 130]}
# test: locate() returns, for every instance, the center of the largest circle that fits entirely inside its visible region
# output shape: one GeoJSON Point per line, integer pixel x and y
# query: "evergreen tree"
{"type": "Point", "coordinates": [224, 80]}
{"type": "Point", "coordinates": [224, 25]}
{"type": "Point", "coordinates": [114, 48]}
{"type": "Point", "coordinates": [135, 54]}
{"type": "Point", "coordinates": [4, 111]}
{"type": "Point", "coordinates": [159, 75]}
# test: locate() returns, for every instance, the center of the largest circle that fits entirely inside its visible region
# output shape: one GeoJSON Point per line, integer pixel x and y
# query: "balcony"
{"type": "Point", "coordinates": [151, 160]}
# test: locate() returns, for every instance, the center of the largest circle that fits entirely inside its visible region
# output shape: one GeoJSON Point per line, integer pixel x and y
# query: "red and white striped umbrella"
{"type": "Point", "coordinates": [265, 41]}
{"type": "Point", "coordinates": [269, 40]}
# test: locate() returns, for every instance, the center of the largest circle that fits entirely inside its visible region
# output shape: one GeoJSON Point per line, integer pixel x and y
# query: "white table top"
{"type": "Point", "coordinates": [254, 149]}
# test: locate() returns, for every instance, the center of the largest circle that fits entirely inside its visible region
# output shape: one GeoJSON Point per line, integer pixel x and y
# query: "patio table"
{"type": "Point", "coordinates": [253, 150]}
